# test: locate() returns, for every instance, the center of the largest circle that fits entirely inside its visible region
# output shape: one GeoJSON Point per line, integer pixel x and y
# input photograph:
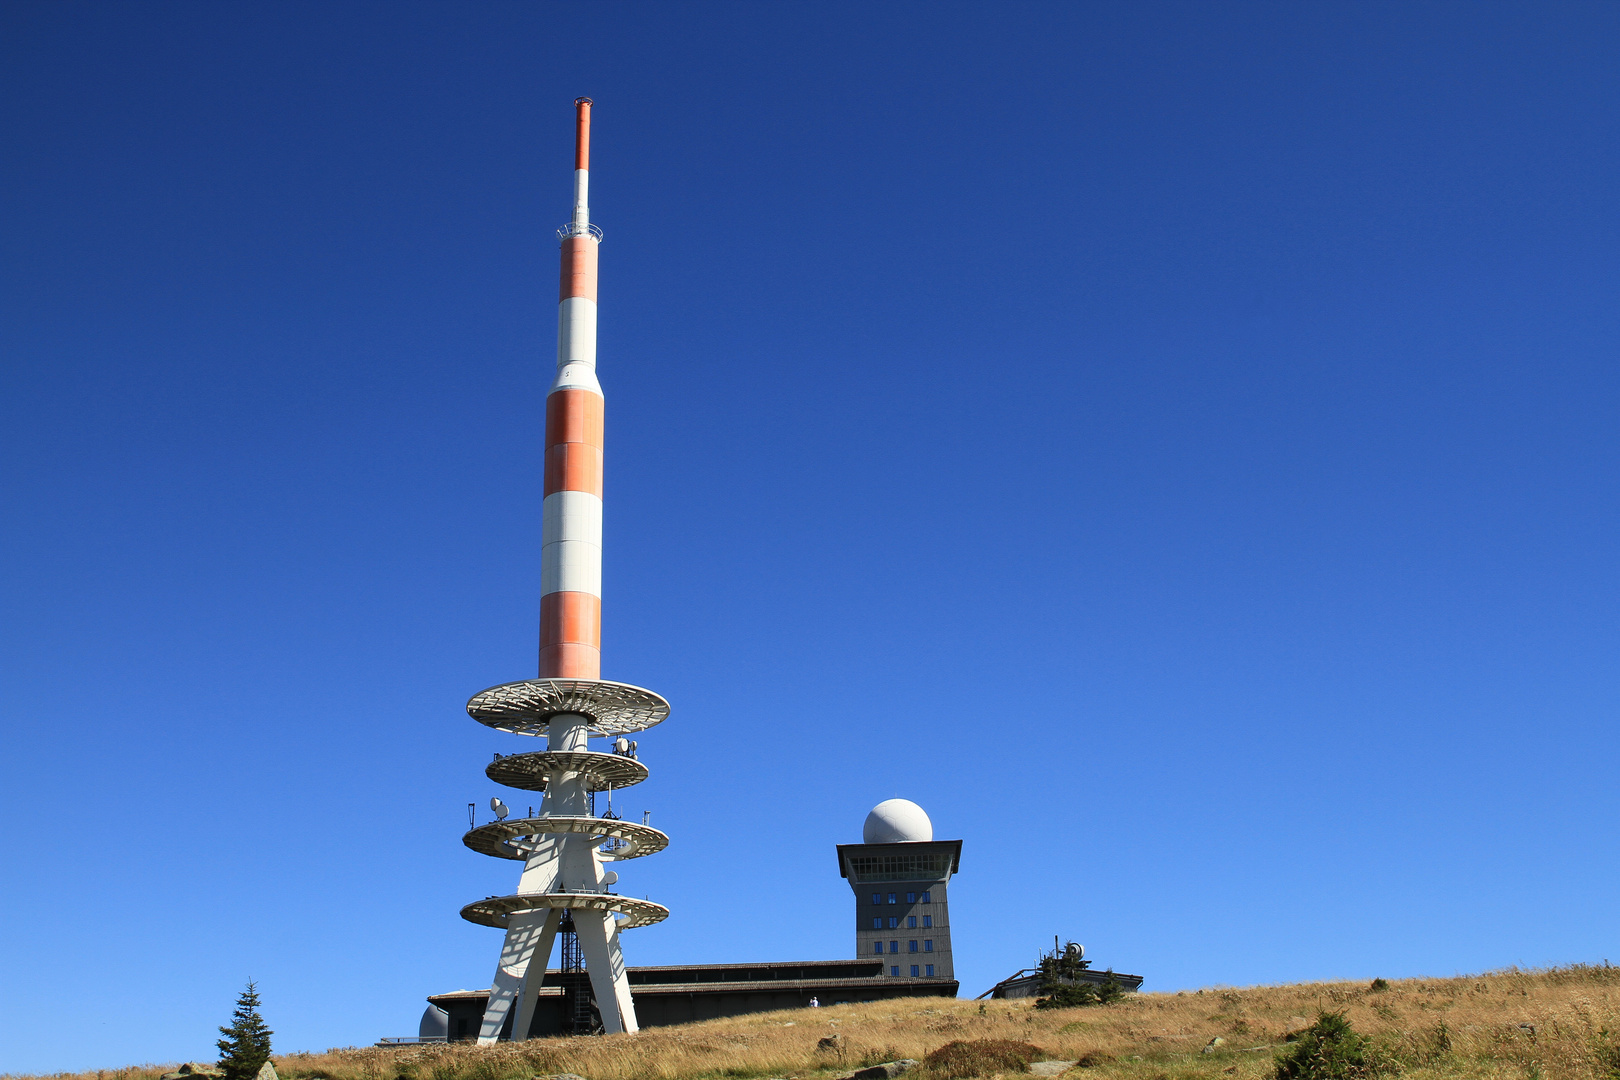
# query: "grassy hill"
{"type": "Point", "coordinates": [1534, 1025]}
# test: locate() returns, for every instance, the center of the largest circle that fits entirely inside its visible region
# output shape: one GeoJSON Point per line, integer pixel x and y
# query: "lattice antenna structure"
{"type": "Point", "coordinates": [564, 848]}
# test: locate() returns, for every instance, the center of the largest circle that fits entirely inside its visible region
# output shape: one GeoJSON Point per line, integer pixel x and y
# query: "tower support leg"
{"type": "Point", "coordinates": [604, 961]}
{"type": "Point", "coordinates": [523, 932]}
{"type": "Point", "coordinates": [534, 976]}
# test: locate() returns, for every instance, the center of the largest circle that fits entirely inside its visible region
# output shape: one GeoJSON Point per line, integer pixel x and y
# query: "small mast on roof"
{"type": "Point", "coordinates": [565, 846]}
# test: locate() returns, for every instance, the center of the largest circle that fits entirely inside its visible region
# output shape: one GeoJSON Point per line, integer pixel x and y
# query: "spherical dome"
{"type": "Point", "coordinates": [435, 1024]}
{"type": "Point", "coordinates": [896, 821]}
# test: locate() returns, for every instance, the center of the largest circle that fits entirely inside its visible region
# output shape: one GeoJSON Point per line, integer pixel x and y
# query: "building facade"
{"type": "Point", "coordinates": [685, 995]}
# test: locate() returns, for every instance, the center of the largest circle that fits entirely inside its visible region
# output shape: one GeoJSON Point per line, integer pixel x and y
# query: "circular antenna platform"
{"type": "Point", "coordinates": [532, 772]}
{"type": "Point", "coordinates": [498, 909]}
{"type": "Point", "coordinates": [525, 708]}
{"type": "Point", "coordinates": [517, 839]}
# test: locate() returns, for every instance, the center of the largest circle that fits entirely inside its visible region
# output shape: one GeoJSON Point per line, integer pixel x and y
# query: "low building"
{"type": "Point", "coordinates": [1027, 983]}
{"type": "Point", "coordinates": [682, 995]}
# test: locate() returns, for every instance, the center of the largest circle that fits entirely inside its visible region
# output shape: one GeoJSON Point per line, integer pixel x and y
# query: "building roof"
{"type": "Point", "coordinates": [818, 975]}
{"type": "Point", "coordinates": [909, 860]}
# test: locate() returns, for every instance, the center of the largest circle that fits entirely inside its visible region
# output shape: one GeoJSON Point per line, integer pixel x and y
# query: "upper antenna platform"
{"type": "Point", "coordinates": [526, 708]}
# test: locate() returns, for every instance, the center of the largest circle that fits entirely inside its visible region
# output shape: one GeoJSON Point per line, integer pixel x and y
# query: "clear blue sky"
{"type": "Point", "coordinates": [1173, 443]}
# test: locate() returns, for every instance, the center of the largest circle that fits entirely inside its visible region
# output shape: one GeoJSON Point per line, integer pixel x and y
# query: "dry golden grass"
{"type": "Point", "coordinates": [1512, 1025]}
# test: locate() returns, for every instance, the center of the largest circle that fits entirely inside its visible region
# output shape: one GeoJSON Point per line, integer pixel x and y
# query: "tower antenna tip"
{"type": "Point", "coordinates": [582, 132]}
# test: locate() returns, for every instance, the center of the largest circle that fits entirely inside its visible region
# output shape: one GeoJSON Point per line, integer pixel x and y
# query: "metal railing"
{"type": "Point", "coordinates": [574, 228]}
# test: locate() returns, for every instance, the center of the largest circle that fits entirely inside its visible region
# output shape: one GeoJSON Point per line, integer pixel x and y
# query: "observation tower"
{"type": "Point", "coordinates": [565, 847]}
{"type": "Point", "coordinates": [901, 875]}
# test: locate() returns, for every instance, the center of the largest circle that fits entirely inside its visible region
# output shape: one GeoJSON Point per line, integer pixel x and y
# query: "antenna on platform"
{"type": "Point", "coordinates": [500, 808]}
{"type": "Point", "coordinates": [471, 824]}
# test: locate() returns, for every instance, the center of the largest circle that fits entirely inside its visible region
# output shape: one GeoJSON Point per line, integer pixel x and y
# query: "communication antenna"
{"type": "Point", "coordinates": [499, 807]}
{"type": "Point", "coordinates": [610, 878]}
{"type": "Point", "coordinates": [471, 824]}
{"type": "Point", "coordinates": [646, 817]}
{"type": "Point", "coordinates": [621, 745]}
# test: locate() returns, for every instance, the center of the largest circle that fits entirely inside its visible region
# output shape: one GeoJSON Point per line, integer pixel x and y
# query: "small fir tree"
{"type": "Point", "coordinates": [1060, 985]}
{"type": "Point", "coordinates": [1329, 1049]}
{"type": "Point", "coordinates": [246, 1045]}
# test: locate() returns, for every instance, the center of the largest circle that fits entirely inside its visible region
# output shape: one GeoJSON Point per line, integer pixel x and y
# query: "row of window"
{"type": "Point", "coordinates": [894, 946]}
{"type": "Point", "coordinates": [911, 922]}
{"type": "Point", "coordinates": [895, 970]}
{"type": "Point", "coordinates": [911, 898]}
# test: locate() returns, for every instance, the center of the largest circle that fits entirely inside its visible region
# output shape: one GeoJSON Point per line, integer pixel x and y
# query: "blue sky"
{"type": "Point", "coordinates": [1173, 443]}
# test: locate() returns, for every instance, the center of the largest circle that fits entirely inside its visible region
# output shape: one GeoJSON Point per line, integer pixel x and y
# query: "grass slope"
{"type": "Point", "coordinates": [1561, 1024]}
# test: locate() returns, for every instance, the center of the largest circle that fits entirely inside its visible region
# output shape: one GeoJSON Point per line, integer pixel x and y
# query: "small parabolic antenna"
{"type": "Point", "coordinates": [500, 808]}
{"type": "Point", "coordinates": [610, 878]}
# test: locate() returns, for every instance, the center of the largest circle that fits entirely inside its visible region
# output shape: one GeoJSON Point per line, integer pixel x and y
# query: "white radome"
{"type": "Point", "coordinates": [897, 821]}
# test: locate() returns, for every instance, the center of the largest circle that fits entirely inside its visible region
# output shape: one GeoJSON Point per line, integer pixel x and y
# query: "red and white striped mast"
{"type": "Point", "coordinates": [571, 566]}
{"type": "Point", "coordinates": [565, 847]}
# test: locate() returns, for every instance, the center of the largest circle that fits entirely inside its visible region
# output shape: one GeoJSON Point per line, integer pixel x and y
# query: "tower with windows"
{"type": "Point", "coordinates": [900, 875]}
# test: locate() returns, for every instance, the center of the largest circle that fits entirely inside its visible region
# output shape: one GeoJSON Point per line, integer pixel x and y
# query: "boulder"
{"type": "Point", "coordinates": [193, 1069]}
{"type": "Point", "coordinates": [886, 1071]}
{"type": "Point", "coordinates": [266, 1071]}
{"type": "Point", "coordinates": [1050, 1068]}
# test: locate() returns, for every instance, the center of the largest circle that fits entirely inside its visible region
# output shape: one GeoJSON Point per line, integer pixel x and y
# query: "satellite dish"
{"type": "Point", "coordinates": [499, 807]}
{"type": "Point", "coordinates": [610, 878]}
{"type": "Point", "coordinates": [1075, 951]}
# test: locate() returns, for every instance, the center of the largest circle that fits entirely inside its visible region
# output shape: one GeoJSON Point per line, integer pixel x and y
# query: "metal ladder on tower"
{"type": "Point", "coordinates": [579, 1000]}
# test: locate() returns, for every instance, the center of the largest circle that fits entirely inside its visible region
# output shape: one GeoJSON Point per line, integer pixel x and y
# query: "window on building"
{"type": "Point", "coordinates": [911, 898]}
{"type": "Point", "coordinates": [895, 971]}
{"type": "Point", "coordinates": [891, 898]}
{"type": "Point", "coordinates": [894, 921]}
{"type": "Point", "coordinates": [894, 946]}
{"type": "Point", "coordinates": [877, 947]}
{"type": "Point", "coordinates": [877, 924]}
{"type": "Point", "coordinates": [928, 920]}
{"type": "Point", "coordinates": [925, 899]}
{"type": "Point", "coordinates": [877, 898]}
{"type": "Point", "coordinates": [911, 946]}
{"type": "Point", "coordinates": [930, 970]}
{"type": "Point", "coordinates": [928, 945]}
{"type": "Point", "coordinates": [911, 922]}
{"type": "Point", "coordinates": [913, 971]}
